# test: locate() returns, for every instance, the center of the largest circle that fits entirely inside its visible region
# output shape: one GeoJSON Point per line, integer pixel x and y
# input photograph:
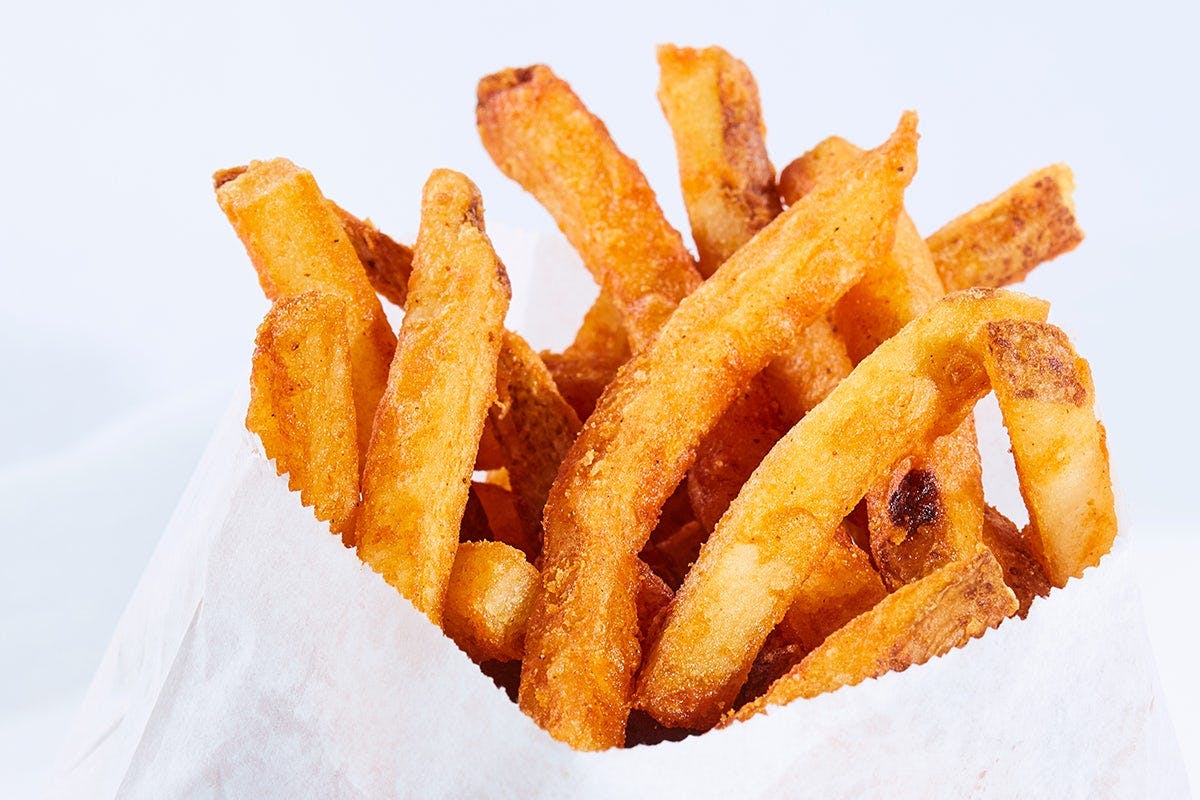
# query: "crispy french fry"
{"type": "Point", "coordinates": [302, 403]}
{"type": "Point", "coordinates": [388, 263]}
{"type": "Point", "coordinates": [534, 426]}
{"type": "Point", "coordinates": [297, 244]}
{"type": "Point", "coordinates": [999, 242]}
{"type": "Point", "coordinates": [1022, 572]}
{"type": "Point", "coordinates": [442, 382]}
{"type": "Point", "coordinates": [806, 374]}
{"type": "Point", "coordinates": [917, 622]}
{"type": "Point", "coordinates": [488, 600]}
{"type": "Point", "coordinates": [1048, 403]}
{"type": "Point", "coordinates": [840, 586]}
{"type": "Point", "coordinates": [637, 445]}
{"type": "Point", "coordinates": [711, 102]}
{"type": "Point", "coordinates": [673, 554]}
{"type": "Point", "coordinates": [591, 361]}
{"type": "Point", "coordinates": [540, 134]}
{"type": "Point", "coordinates": [500, 511]}
{"type": "Point", "coordinates": [914, 387]}
{"type": "Point", "coordinates": [930, 510]}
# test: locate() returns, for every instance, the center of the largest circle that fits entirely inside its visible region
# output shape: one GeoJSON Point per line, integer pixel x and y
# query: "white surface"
{"type": "Point", "coordinates": [128, 306]}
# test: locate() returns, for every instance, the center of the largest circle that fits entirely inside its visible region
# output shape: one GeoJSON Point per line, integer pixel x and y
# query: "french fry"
{"type": "Point", "coordinates": [930, 510]}
{"type": "Point", "coordinates": [591, 361]}
{"type": "Point", "coordinates": [302, 404]}
{"type": "Point", "coordinates": [998, 242]}
{"type": "Point", "coordinates": [1022, 572]}
{"type": "Point", "coordinates": [490, 593]}
{"type": "Point", "coordinates": [534, 426]}
{"type": "Point", "coordinates": [542, 136]}
{"type": "Point", "coordinates": [1047, 401]}
{"type": "Point", "coordinates": [297, 244]}
{"type": "Point", "coordinates": [673, 554]}
{"type": "Point", "coordinates": [915, 387]}
{"type": "Point", "coordinates": [711, 102]}
{"type": "Point", "coordinates": [917, 622]}
{"type": "Point", "coordinates": [806, 374]}
{"type": "Point", "coordinates": [388, 263]}
{"type": "Point", "coordinates": [500, 511]}
{"type": "Point", "coordinates": [636, 446]}
{"type": "Point", "coordinates": [441, 384]}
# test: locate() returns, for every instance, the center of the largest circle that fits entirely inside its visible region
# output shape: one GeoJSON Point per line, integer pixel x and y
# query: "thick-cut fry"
{"type": "Point", "coordinates": [999, 242]}
{"type": "Point", "coordinates": [1022, 572]}
{"type": "Point", "coordinates": [535, 428]}
{"type": "Point", "coordinates": [540, 134]}
{"type": "Point", "coordinates": [638, 443]}
{"type": "Point", "coordinates": [930, 511]}
{"type": "Point", "coordinates": [487, 604]}
{"type": "Point", "coordinates": [591, 361]}
{"type": "Point", "coordinates": [388, 263]}
{"type": "Point", "coordinates": [1048, 403]}
{"type": "Point", "coordinates": [916, 386]}
{"type": "Point", "coordinates": [806, 374]}
{"type": "Point", "coordinates": [840, 586]}
{"type": "Point", "coordinates": [297, 244]}
{"type": "Point", "coordinates": [442, 382]}
{"type": "Point", "coordinates": [711, 102]}
{"type": "Point", "coordinates": [302, 403]}
{"type": "Point", "coordinates": [925, 619]}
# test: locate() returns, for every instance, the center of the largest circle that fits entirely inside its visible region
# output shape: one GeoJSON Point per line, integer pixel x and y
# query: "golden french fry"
{"type": "Point", "coordinates": [542, 136]}
{"type": "Point", "coordinates": [915, 387]}
{"type": "Point", "coordinates": [490, 593]}
{"type": "Point", "coordinates": [998, 242]}
{"type": "Point", "coordinates": [1022, 572]}
{"type": "Point", "coordinates": [441, 384]}
{"type": "Point", "coordinates": [500, 511]}
{"type": "Point", "coordinates": [673, 554]}
{"type": "Point", "coordinates": [591, 361]}
{"type": "Point", "coordinates": [534, 426]}
{"type": "Point", "coordinates": [806, 374]}
{"type": "Point", "coordinates": [917, 622]}
{"type": "Point", "coordinates": [302, 403]}
{"type": "Point", "coordinates": [388, 263]}
{"type": "Point", "coordinates": [1048, 403]}
{"type": "Point", "coordinates": [711, 102]}
{"type": "Point", "coordinates": [636, 446]}
{"type": "Point", "coordinates": [297, 244]}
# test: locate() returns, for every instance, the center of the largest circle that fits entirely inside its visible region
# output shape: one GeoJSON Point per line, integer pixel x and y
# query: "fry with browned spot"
{"type": "Point", "coordinates": [297, 244]}
{"type": "Point", "coordinates": [441, 384]}
{"type": "Point", "coordinates": [1022, 571]}
{"type": "Point", "coordinates": [1048, 403]}
{"type": "Point", "coordinates": [302, 404]}
{"type": "Point", "coordinates": [920, 621]}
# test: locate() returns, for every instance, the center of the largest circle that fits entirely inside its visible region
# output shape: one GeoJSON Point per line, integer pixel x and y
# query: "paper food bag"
{"type": "Point", "coordinates": [260, 659]}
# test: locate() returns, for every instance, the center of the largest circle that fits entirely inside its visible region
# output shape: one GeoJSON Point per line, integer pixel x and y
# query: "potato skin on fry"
{"type": "Point", "coordinates": [917, 622]}
{"type": "Point", "coordinates": [541, 135]}
{"type": "Point", "coordinates": [388, 263]}
{"type": "Point", "coordinates": [488, 600]}
{"type": "Point", "coordinates": [1047, 401]}
{"type": "Point", "coordinates": [297, 244]}
{"type": "Point", "coordinates": [1022, 571]}
{"type": "Point", "coordinates": [302, 404]}
{"type": "Point", "coordinates": [441, 384]}
{"type": "Point", "coordinates": [913, 388]}
{"type": "Point", "coordinates": [633, 450]}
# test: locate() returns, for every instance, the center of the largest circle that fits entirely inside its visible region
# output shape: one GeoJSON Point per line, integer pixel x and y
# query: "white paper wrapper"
{"type": "Point", "coordinates": [259, 658]}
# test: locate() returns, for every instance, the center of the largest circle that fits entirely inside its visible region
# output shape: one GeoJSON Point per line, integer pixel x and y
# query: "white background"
{"type": "Point", "coordinates": [127, 306]}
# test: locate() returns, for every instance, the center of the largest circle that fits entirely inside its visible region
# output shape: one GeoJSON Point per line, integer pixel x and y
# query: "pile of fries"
{"type": "Point", "coordinates": [754, 474]}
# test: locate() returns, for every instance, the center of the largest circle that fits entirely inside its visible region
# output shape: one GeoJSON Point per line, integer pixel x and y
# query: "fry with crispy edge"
{"type": "Point", "coordinates": [388, 263]}
{"type": "Point", "coordinates": [441, 384]}
{"type": "Point", "coordinates": [1048, 401]}
{"type": "Point", "coordinates": [541, 135]}
{"type": "Point", "coordinates": [302, 403]}
{"type": "Point", "coordinates": [998, 242]}
{"type": "Point", "coordinates": [930, 511]}
{"type": "Point", "coordinates": [1022, 571]}
{"type": "Point", "coordinates": [582, 646]}
{"type": "Point", "coordinates": [916, 386]}
{"type": "Point", "coordinates": [297, 244]}
{"type": "Point", "coordinates": [487, 604]}
{"type": "Point", "coordinates": [917, 622]}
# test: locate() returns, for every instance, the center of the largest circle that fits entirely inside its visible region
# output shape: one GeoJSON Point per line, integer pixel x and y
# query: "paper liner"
{"type": "Point", "coordinates": [259, 658]}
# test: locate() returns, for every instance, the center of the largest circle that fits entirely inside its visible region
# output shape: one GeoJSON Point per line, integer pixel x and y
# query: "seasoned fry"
{"type": "Point", "coordinates": [636, 446]}
{"type": "Point", "coordinates": [591, 361]}
{"type": "Point", "coordinates": [999, 242]}
{"type": "Point", "coordinates": [711, 102]}
{"type": "Point", "coordinates": [540, 134]}
{"type": "Point", "coordinates": [917, 622]}
{"type": "Point", "coordinates": [302, 404]}
{"type": "Point", "coordinates": [487, 604]}
{"type": "Point", "coordinates": [1022, 572]}
{"type": "Point", "coordinates": [1048, 403]}
{"type": "Point", "coordinates": [840, 586]}
{"type": "Point", "coordinates": [913, 388]}
{"type": "Point", "coordinates": [388, 263]}
{"type": "Point", "coordinates": [297, 244]}
{"type": "Point", "coordinates": [442, 382]}
{"type": "Point", "coordinates": [534, 427]}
